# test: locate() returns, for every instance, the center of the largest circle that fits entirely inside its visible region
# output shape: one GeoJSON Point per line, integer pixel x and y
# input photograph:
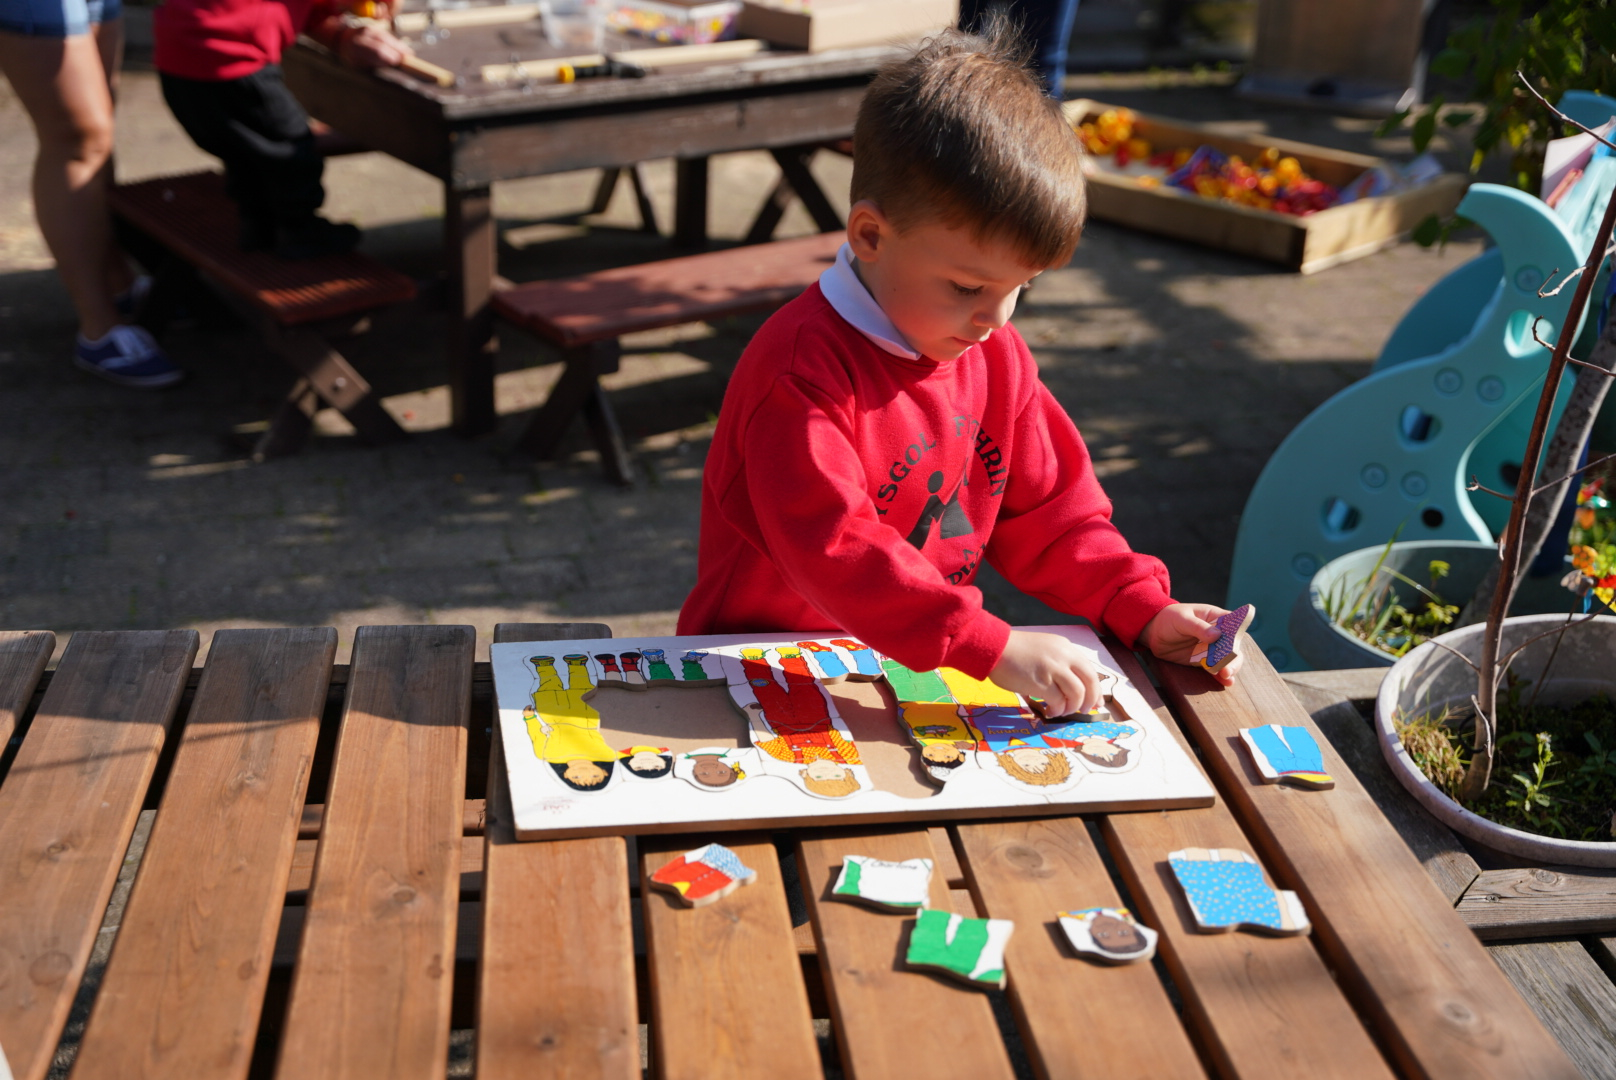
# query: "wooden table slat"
{"type": "Point", "coordinates": [1411, 964]}
{"type": "Point", "coordinates": [1260, 1006]}
{"type": "Point", "coordinates": [23, 656]}
{"type": "Point", "coordinates": [371, 991]}
{"type": "Point", "coordinates": [561, 1001]}
{"type": "Point", "coordinates": [67, 809]}
{"type": "Point", "coordinates": [892, 1020]}
{"type": "Point", "coordinates": [1078, 1018]}
{"type": "Point", "coordinates": [184, 989]}
{"type": "Point", "coordinates": [727, 994]}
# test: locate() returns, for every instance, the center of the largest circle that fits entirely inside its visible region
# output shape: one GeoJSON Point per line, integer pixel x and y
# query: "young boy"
{"type": "Point", "coordinates": [886, 432]}
{"type": "Point", "coordinates": [219, 61]}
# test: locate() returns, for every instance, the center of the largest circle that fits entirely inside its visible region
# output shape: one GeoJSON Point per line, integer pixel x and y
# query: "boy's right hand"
{"type": "Point", "coordinates": [1050, 667]}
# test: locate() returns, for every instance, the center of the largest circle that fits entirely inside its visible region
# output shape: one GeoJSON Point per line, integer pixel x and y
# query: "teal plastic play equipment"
{"type": "Point", "coordinates": [1451, 397]}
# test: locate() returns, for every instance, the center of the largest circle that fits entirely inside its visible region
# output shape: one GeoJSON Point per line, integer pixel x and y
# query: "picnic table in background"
{"type": "Point", "coordinates": [478, 132]}
{"type": "Point", "coordinates": [328, 883]}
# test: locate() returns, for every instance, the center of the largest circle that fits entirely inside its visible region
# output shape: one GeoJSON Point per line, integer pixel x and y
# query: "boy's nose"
{"type": "Point", "coordinates": [992, 317]}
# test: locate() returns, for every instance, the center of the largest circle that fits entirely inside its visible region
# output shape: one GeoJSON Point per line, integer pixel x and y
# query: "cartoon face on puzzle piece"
{"type": "Point", "coordinates": [829, 779]}
{"type": "Point", "coordinates": [1037, 768]}
{"type": "Point", "coordinates": [1109, 935]}
{"type": "Point", "coordinates": [1100, 746]}
{"type": "Point", "coordinates": [647, 762]}
{"type": "Point", "coordinates": [581, 774]}
{"type": "Point", "coordinates": [715, 768]}
{"type": "Point", "coordinates": [939, 733]}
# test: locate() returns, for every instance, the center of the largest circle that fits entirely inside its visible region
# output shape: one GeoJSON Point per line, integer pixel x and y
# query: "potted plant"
{"type": "Point", "coordinates": [1368, 607]}
{"type": "Point", "coordinates": [1477, 681]}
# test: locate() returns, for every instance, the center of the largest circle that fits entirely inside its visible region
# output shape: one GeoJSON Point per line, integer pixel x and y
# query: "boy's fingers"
{"type": "Point", "coordinates": [1068, 693]}
{"type": "Point", "coordinates": [1091, 696]}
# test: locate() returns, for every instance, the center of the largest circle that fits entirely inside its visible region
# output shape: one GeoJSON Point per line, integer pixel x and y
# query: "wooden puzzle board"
{"type": "Point", "coordinates": [755, 731]}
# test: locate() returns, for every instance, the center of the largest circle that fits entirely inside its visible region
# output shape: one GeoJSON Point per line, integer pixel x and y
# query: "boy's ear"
{"type": "Point", "coordinates": [867, 230]}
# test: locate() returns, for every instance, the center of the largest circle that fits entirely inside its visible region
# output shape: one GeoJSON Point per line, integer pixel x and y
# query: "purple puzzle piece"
{"type": "Point", "coordinates": [1219, 653]}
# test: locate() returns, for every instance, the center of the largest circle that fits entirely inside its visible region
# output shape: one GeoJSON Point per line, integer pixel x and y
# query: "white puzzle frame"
{"type": "Point", "coordinates": [1159, 774]}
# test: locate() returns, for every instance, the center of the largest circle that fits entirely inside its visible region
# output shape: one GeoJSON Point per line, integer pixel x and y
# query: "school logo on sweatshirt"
{"type": "Point", "coordinates": [942, 513]}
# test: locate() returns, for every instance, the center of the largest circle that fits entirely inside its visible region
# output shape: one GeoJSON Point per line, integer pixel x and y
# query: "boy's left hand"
{"type": "Point", "coordinates": [373, 47]}
{"type": "Point", "coordinates": [1179, 629]}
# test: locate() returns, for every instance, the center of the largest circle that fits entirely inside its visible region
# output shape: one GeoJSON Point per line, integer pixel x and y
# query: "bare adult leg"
{"type": "Point", "coordinates": [63, 85]}
{"type": "Point", "coordinates": [109, 43]}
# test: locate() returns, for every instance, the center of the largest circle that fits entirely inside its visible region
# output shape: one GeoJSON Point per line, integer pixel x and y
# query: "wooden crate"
{"type": "Point", "coordinates": [844, 24]}
{"type": "Point", "coordinates": [1305, 244]}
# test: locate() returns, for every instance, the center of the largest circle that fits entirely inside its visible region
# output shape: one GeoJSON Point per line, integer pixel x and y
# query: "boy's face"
{"type": "Point", "coordinates": [944, 289]}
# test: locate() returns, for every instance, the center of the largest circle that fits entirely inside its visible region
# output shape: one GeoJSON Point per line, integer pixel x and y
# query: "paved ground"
{"type": "Point", "coordinates": [1183, 367]}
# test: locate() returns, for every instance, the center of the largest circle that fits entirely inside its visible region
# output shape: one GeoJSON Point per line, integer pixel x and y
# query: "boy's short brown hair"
{"type": "Point", "coordinates": [961, 132]}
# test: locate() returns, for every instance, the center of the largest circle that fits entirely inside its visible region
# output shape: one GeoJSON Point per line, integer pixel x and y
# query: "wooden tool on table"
{"type": "Point", "coordinates": [424, 69]}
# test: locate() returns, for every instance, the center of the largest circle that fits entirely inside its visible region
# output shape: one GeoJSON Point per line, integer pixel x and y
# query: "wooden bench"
{"type": "Point", "coordinates": [182, 226]}
{"type": "Point", "coordinates": [584, 316]}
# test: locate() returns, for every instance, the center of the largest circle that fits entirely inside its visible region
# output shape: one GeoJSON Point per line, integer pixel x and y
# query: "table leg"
{"type": "Point", "coordinates": [469, 238]}
{"type": "Point", "coordinates": [690, 202]}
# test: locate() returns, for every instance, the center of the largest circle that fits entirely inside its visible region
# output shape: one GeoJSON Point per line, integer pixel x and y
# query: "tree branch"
{"type": "Point", "coordinates": [1564, 119]}
{"type": "Point", "coordinates": [1591, 367]}
{"type": "Point", "coordinates": [1541, 488]}
{"type": "Point", "coordinates": [1476, 485]}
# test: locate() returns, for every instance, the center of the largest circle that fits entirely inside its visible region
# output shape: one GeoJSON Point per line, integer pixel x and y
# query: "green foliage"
{"type": "Point", "coordinates": [1431, 741]}
{"type": "Point", "coordinates": [1533, 802]}
{"type": "Point", "coordinates": [1570, 792]}
{"type": "Point", "coordinates": [1559, 45]}
{"type": "Point", "coordinates": [1376, 613]}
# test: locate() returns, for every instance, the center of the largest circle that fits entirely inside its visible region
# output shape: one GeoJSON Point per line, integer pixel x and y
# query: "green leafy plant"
{"type": "Point", "coordinates": [1563, 44]}
{"type": "Point", "coordinates": [1559, 792]}
{"type": "Point", "coordinates": [1533, 801]}
{"type": "Point", "coordinates": [1377, 614]}
{"type": "Point", "coordinates": [1432, 742]}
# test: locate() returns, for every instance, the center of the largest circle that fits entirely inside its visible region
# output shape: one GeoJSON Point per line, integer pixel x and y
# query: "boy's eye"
{"type": "Point", "coordinates": [964, 290]}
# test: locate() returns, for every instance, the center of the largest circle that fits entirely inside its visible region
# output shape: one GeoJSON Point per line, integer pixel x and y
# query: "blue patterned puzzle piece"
{"type": "Point", "coordinates": [1226, 890]}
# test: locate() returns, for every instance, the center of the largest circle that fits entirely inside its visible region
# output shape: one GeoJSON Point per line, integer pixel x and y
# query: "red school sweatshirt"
{"type": "Point", "coordinates": [215, 40]}
{"type": "Point", "coordinates": [848, 488]}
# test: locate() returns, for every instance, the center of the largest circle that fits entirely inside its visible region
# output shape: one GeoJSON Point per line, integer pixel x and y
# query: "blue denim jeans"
{"type": "Point", "coordinates": [56, 18]}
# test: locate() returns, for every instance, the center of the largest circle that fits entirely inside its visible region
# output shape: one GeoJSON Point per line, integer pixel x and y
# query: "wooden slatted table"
{"type": "Point", "coordinates": [330, 886]}
{"type": "Point", "coordinates": [476, 133]}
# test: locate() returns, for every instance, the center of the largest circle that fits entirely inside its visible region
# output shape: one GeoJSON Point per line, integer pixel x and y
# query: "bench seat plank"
{"type": "Point", "coordinates": [191, 215]}
{"type": "Point", "coordinates": [1410, 963]}
{"type": "Point", "coordinates": [67, 809]}
{"type": "Point", "coordinates": [607, 304]}
{"type": "Point", "coordinates": [1078, 1018]}
{"type": "Point", "coordinates": [184, 988]}
{"type": "Point", "coordinates": [1570, 994]}
{"type": "Point", "coordinates": [727, 994]}
{"type": "Point", "coordinates": [1521, 903]}
{"type": "Point", "coordinates": [23, 656]}
{"type": "Point", "coordinates": [1261, 1007]}
{"type": "Point", "coordinates": [893, 1021]}
{"type": "Point", "coordinates": [371, 990]}
{"type": "Point", "coordinates": [560, 1002]}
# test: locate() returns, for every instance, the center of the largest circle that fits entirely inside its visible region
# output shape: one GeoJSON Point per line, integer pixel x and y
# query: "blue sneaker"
{"type": "Point", "coordinates": [129, 357]}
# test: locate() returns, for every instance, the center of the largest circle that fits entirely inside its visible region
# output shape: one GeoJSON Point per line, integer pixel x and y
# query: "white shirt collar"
{"type": "Point", "coordinates": [853, 302]}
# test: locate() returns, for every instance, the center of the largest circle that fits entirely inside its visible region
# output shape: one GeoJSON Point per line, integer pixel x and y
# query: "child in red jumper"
{"type": "Point", "coordinates": [219, 61]}
{"type": "Point", "coordinates": [886, 432]}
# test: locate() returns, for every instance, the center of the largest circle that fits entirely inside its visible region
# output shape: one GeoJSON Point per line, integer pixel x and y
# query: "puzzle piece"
{"type": "Point", "coordinates": [1217, 655]}
{"type": "Point", "coordinates": [894, 886]}
{"type": "Point", "coordinates": [704, 875]}
{"type": "Point", "coordinates": [565, 728]}
{"type": "Point", "coordinates": [971, 950]}
{"type": "Point", "coordinates": [713, 768]}
{"type": "Point", "coordinates": [1111, 935]}
{"type": "Point", "coordinates": [796, 723]}
{"type": "Point", "coordinates": [1226, 890]}
{"type": "Point", "coordinates": [1287, 755]}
